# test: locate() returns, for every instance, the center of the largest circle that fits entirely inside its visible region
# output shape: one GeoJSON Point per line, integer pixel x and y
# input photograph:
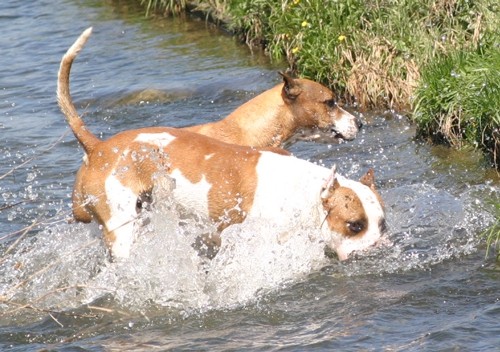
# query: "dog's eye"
{"type": "Point", "coordinates": [356, 226]}
{"type": "Point", "coordinates": [143, 202]}
{"type": "Point", "coordinates": [331, 103]}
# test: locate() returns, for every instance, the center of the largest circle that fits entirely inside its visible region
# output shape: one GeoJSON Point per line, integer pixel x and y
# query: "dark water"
{"type": "Point", "coordinates": [434, 289]}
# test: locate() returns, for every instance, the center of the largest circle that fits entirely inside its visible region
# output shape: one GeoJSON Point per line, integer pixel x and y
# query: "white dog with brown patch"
{"type": "Point", "coordinates": [222, 182]}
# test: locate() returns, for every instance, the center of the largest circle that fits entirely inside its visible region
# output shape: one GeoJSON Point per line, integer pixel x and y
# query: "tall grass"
{"type": "Point", "coordinates": [493, 234]}
{"type": "Point", "coordinates": [458, 100]}
{"type": "Point", "coordinates": [166, 7]}
{"type": "Point", "coordinates": [370, 50]}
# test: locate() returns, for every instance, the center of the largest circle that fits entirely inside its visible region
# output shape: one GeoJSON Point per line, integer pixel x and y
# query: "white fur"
{"type": "Point", "coordinates": [373, 209]}
{"type": "Point", "coordinates": [159, 139]}
{"type": "Point", "coordinates": [346, 125]}
{"type": "Point", "coordinates": [194, 196]}
{"type": "Point", "coordinates": [287, 188]}
{"type": "Point", "coordinates": [185, 192]}
{"type": "Point", "coordinates": [121, 202]}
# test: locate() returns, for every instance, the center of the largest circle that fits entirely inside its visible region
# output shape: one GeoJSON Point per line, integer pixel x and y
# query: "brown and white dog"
{"type": "Point", "coordinates": [222, 182]}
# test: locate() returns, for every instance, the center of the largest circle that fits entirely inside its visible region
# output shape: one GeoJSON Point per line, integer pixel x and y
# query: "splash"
{"type": "Point", "coordinates": [66, 266]}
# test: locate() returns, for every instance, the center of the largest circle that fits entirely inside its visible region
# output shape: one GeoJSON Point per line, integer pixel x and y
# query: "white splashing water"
{"type": "Point", "coordinates": [67, 266]}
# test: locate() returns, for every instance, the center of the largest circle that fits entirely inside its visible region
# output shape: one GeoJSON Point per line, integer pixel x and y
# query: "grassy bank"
{"type": "Point", "coordinates": [458, 100]}
{"type": "Point", "coordinates": [371, 51]}
{"type": "Point", "coordinates": [417, 56]}
{"type": "Point", "coordinates": [492, 235]}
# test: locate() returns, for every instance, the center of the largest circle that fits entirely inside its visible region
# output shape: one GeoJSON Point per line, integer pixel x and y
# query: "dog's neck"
{"type": "Point", "coordinates": [263, 128]}
{"type": "Point", "coordinates": [264, 121]}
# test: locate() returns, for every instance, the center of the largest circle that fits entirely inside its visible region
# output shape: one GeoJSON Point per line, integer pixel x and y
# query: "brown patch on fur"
{"type": "Point", "coordinates": [229, 199]}
{"type": "Point", "coordinates": [368, 180]}
{"type": "Point", "coordinates": [89, 197]}
{"type": "Point", "coordinates": [233, 188]}
{"type": "Point", "coordinates": [345, 212]}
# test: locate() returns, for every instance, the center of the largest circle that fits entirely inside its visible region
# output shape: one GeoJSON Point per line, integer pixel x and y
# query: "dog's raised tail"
{"type": "Point", "coordinates": [82, 134]}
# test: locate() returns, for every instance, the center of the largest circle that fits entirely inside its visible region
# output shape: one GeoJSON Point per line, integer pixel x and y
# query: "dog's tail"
{"type": "Point", "coordinates": [82, 134]}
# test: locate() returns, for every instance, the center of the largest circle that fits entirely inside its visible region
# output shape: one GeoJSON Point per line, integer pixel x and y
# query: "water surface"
{"type": "Point", "coordinates": [434, 289]}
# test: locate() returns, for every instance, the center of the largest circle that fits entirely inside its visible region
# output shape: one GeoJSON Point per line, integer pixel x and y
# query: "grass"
{"type": "Point", "coordinates": [492, 235]}
{"type": "Point", "coordinates": [166, 7]}
{"type": "Point", "coordinates": [458, 100]}
{"type": "Point", "coordinates": [370, 51]}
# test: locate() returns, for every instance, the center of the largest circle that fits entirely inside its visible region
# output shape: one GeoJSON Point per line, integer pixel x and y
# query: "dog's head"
{"type": "Point", "coordinates": [354, 214]}
{"type": "Point", "coordinates": [316, 107]}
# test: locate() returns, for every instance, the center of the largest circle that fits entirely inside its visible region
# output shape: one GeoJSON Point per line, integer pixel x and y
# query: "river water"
{"type": "Point", "coordinates": [434, 289]}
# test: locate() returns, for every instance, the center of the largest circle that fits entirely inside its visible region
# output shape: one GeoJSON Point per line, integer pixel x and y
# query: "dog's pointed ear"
{"type": "Point", "coordinates": [330, 185]}
{"type": "Point", "coordinates": [291, 88]}
{"type": "Point", "coordinates": [368, 179]}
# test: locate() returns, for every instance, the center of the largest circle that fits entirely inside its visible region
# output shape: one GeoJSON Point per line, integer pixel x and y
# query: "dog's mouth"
{"type": "Point", "coordinates": [319, 135]}
{"type": "Point", "coordinates": [329, 135]}
{"type": "Point", "coordinates": [338, 135]}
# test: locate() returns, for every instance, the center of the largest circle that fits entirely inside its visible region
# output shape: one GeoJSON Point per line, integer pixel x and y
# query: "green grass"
{"type": "Point", "coordinates": [371, 51]}
{"type": "Point", "coordinates": [166, 7]}
{"type": "Point", "coordinates": [458, 100]}
{"type": "Point", "coordinates": [492, 235]}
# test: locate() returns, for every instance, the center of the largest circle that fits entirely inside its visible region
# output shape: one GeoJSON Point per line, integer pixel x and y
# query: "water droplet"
{"type": "Point", "coordinates": [30, 177]}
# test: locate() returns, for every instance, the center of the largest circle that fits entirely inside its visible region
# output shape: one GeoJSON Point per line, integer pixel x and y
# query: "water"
{"type": "Point", "coordinates": [433, 289]}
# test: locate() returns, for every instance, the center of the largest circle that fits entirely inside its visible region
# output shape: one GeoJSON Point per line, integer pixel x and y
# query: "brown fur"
{"type": "Point", "coordinates": [369, 180]}
{"type": "Point", "coordinates": [344, 207]}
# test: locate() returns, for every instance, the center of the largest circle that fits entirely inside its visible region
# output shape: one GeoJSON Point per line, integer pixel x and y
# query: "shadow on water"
{"type": "Point", "coordinates": [431, 289]}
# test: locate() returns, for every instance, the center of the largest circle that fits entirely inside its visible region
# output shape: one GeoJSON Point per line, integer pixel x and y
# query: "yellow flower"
{"type": "Point", "coordinates": [295, 50]}
{"type": "Point", "coordinates": [305, 24]}
{"type": "Point", "coordinates": [341, 38]}
{"type": "Point", "coordinates": [295, 2]}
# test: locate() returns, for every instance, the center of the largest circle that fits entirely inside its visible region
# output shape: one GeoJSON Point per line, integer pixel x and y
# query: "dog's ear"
{"type": "Point", "coordinates": [291, 88]}
{"type": "Point", "coordinates": [368, 179]}
{"type": "Point", "coordinates": [330, 185]}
